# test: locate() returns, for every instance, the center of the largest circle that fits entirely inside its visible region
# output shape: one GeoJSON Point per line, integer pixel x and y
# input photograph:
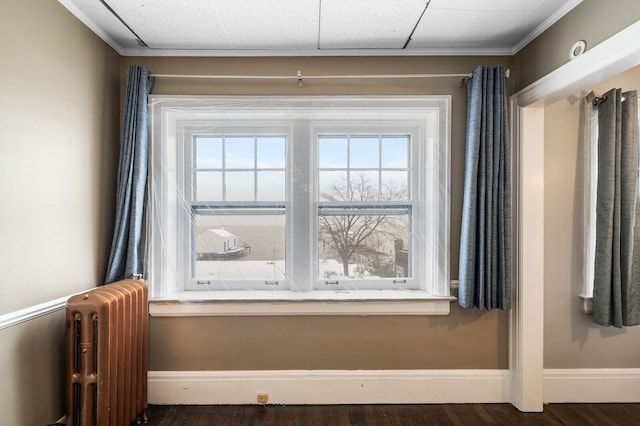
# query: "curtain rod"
{"type": "Point", "coordinates": [310, 77]}
{"type": "Point", "coordinates": [300, 77]}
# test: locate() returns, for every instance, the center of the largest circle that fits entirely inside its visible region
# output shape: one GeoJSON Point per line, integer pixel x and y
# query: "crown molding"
{"type": "Point", "coordinates": [559, 14]}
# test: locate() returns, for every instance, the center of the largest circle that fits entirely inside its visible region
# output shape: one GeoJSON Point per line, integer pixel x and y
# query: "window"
{"type": "Point", "coordinates": [235, 182]}
{"type": "Point", "coordinates": [303, 195]}
{"type": "Point", "coordinates": [364, 207]}
{"type": "Point", "coordinates": [590, 196]}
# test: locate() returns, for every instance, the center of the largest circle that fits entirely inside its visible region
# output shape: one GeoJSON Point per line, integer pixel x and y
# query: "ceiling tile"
{"type": "Point", "coordinates": [368, 24]}
{"type": "Point", "coordinates": [304, 27]}
{"type": "Point", "coordinates": [487, 5]}
{"type": "Point", "coordinates": [222, 24]}
{"type": "Point", "coordinates": [448, 28]}
{"type": "Point", "coordinates": [481, 23]}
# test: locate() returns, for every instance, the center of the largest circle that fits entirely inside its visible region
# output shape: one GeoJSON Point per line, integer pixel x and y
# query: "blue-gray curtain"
{"type": "Point", "coordinates": [485, 239]}
{"type": "Point", "coordinates": [616, 284]}
{"type": "Point", "coordinates": [125, 259]}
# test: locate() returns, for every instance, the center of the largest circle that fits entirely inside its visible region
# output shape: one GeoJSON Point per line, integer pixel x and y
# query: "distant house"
{"type": "Point", "coordinates": [214, 244]}
{"type": "Point", "coordinates": [401, 264]}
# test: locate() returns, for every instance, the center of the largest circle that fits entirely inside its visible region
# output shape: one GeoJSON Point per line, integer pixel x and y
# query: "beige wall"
{"type": "Point", "coordinates": [59, 111]}
{"type": "Point", "coordinates": [332, 342]}
{"type": "Point", "coordinates": [59, 115]}
{"type": "Point", "coordinates": [32, 367]}
{"type": "Point", "coordinates": [592, 21]}
{"type": "Point", "coordinates": [59, 142]}
{"type": "Point", "coordinates": [463, 339]}
{"type": "Point", "coordinates": [571, 339]}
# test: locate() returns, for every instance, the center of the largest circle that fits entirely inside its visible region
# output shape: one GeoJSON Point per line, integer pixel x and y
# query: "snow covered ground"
{"type": "Point", "coordinates": [267, 270]}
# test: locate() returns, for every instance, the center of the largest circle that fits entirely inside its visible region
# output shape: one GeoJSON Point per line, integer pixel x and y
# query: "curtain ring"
{"type": "Point", "coordinates": [598, 100]}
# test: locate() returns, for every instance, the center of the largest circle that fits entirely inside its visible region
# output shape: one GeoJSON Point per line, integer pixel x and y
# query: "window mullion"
{"type": "Point", "coordinates": [379, 166]}
{"type": "Point", "coordinates": [224, 166]}
{"type": "Point", "coordinates": [255, 167]}
{"type": "Point", "coordinates": [301, 211]}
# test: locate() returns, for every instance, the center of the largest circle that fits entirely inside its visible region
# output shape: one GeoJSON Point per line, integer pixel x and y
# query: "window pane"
{"type": "Point", "coordinates": [332, 152]}
{"type": "Point", "coordinates": [239, 186]}
{"type": "Point", "coordinates": [333, 186]}
{"type": "Point", "coordinates": [208, 152]}
{"type": "Point", "coordinates": [271, 152]}
{"type": "Point", "coordinates": [364, 186]}
{"type": "Point", "coordinates": [208, 186]}
{"type": "Point", "coordinates": [395, 186]}
{"type": "Point", "coordinates": [395, 151]}
{"type": "Point", "coordinates": [364, 152]}
{"type": "Point", "coordinates": [239, 152]}
{"type": "Point", "coordinates": [271, 186]}
{"type": "Point", "coordinates": [240, 247]}
{"type": "Point", "coordinates": [365, 246]}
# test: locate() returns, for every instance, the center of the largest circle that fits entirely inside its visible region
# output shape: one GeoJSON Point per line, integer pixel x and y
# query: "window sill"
{"type": "Point", "coordinates": [587, 303]}
{"type": "Point", "coordinates": [267, 303]}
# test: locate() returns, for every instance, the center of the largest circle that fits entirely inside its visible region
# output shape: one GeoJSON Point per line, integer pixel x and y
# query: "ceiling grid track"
{"type": "Point", "coordinates": [319, 23]}
{"type": "Point", "coordinates": [141, 42]}
{"type": "Point", "coordinates": [426, 6]}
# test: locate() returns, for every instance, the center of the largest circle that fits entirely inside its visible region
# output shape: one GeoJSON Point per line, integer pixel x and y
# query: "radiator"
{"type": "Point", "coordinates": [107, 355]}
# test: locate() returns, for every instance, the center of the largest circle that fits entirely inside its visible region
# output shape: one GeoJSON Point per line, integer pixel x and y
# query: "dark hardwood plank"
{"type": "Point", "coordinates": [597, 414]}
{"type": "Point", "coordinates": [391, 415]}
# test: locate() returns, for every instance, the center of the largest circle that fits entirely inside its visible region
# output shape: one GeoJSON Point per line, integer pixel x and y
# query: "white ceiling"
{"type": "Point", "coordinates": [318, 27]}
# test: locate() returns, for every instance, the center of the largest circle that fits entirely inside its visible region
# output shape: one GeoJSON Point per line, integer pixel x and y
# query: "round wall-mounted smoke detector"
{"type": "Point", "coordinates": [577, 49]}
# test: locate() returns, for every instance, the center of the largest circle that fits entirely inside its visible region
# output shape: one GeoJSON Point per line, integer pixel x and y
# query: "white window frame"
{"type": "Point", "coordinates": [185, 143]}
{"type": "Point", "coordinates": [165, 264]}
{"type": "Point", "coordinates": [416, 132]}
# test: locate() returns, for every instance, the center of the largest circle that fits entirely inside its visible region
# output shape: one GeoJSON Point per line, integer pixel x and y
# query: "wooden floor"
{"type": "Point", "coordinates": [389, 415]}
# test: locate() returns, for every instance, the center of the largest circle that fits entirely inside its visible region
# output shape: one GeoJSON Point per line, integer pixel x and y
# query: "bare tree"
{"type": "Point", "coordinates": [347, 234]}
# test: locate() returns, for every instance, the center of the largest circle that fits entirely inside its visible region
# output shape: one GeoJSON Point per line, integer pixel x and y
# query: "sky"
{"type": "Point", "coordinates": [253, 169]}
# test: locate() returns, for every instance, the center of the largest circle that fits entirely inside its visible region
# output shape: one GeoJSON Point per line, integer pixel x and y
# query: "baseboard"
{"type": "Point", "coordinates": [592, 385]}
{"type": "Point", "coordinates": [329, 386]}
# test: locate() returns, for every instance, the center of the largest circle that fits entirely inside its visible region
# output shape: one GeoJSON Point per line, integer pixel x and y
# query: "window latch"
{"type": "Point", "coordinates": [331, 282]}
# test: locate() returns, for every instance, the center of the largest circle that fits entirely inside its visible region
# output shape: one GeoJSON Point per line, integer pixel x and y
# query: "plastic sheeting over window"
{"type": "Point", "coordinates": [299, 194]}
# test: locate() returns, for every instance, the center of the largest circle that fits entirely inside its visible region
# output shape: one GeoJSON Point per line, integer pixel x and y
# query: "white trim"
{"type": "Point", "coordinates": [32, 312]}
{"type": "Point", "coordinates": [416, 305]}
{"type": "Point", "coordinates": [89, 23]}
{"type": "Point", "coordinates": [589, 385]}
{"type": "Point", "coordinates": [566, 8]}
{"type": "Point", "coordinates": [329, 386]}
{"type": "Point", "coordinates": [266, 303]}
{"type": "Point", "coordinates": [527, 315]}
{"type": "Point", "coordinates": [614, 55]}
{"type": "Point", "coordinates": [592, 385]}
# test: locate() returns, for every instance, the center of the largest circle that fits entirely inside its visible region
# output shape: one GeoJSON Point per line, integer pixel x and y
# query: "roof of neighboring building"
{"type": "Point", "coordinates": [222, 233]}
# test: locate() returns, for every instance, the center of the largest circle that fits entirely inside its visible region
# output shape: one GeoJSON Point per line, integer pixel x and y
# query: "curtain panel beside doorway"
{"type": "Point", "coordinates": [485, 240]}
{"type": "Point", "coordinates": [616, 284]}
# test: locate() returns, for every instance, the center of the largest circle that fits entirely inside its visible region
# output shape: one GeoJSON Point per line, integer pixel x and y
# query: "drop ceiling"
{"type": "Point", "coordinates": [318, 27]}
